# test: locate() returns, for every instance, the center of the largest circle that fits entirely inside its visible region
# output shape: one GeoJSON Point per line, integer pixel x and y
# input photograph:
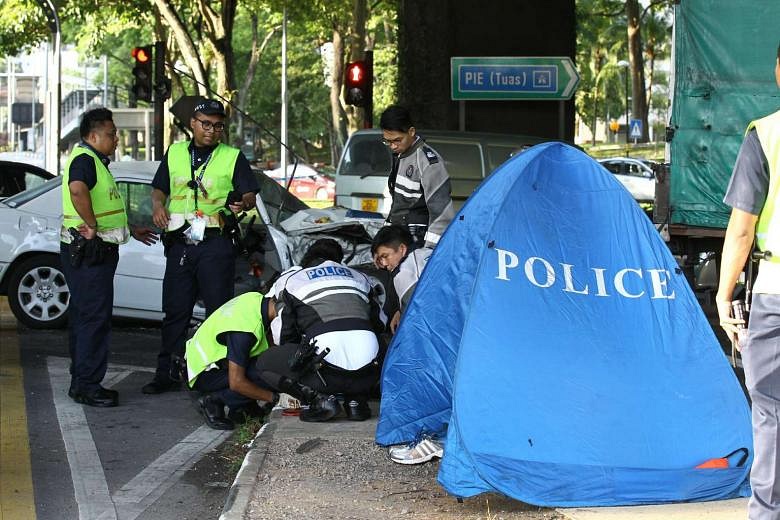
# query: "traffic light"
{"type": "Point", "coordinates": [142, 73]}
{"type": "Point", "coordinates": [358, 83]}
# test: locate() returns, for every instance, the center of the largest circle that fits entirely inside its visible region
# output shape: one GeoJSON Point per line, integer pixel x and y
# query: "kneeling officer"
{"type": "Point", "coordinates": [221, 360]}
{"type": "Point", "coordinates": [222, 363]}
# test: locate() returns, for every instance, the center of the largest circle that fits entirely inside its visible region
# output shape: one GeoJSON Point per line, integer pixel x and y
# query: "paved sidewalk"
{"type": "Point", "coordinates": [334, 470]}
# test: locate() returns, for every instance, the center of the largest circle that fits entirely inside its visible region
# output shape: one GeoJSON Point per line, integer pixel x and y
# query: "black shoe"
{"type": "Point", "coordinates": [213, 410]}
{"type": "Point", "coordinates": [323, 408]}
{"type": "Point", "coordinates": [357, 410]}
{"type": "Point", "coordinates": [100, 397]}
{"type": "Point", "coordinates": [160, 385]}
{"type": "Point", "coordinates": [72, 392]}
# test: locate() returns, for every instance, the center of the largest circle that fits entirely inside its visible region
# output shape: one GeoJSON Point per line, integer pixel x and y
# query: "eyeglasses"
{"type": "Point", "coordinates": [208, 125]}
{"type": "Point", "coordinates": [388, 142]}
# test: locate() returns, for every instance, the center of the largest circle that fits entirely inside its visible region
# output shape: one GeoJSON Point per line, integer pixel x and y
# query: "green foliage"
{"type": "Point", "coordinates": [22, 26]}
{"type": "Point", "coordinates": [602, 43]}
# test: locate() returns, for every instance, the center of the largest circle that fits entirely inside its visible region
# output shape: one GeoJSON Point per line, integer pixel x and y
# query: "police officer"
{"type": "Point", "coordinates": [221, 360]}
{"type": "Point", "coordinates": [754, 197]}
{"type": "Point", "coordinates": [94, 224]}
{"type": "Point", "coordinates": [419, 183]}
{"type": "Point", "coordinates": [392, 251]}
{"type": "Point", "coordinates": [331, 305]}
{"type": "Point", "coordinates": [191, 189]}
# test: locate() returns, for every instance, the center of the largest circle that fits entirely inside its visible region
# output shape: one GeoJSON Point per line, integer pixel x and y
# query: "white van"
{"type": "Point", "coordinates": [362, 172]}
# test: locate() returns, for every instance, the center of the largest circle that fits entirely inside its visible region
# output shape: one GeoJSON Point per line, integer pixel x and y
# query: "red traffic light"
{"type": "Point", "coordinates": [357, 84]}
{"type": "Point", "coordinates": [141, 54]}
{"type": "Point", "coordinates": [355, 73]}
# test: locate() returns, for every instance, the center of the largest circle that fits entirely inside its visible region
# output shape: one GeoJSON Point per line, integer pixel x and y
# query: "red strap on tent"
{"type": "Point", "coordinates": [723, 462]}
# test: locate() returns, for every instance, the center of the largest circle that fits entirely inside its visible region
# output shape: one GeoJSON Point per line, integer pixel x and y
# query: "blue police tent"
{"type": "Point", "coordinates": [553, 331]}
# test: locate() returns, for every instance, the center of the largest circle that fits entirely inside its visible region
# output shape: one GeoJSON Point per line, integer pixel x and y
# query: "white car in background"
{"type": "Point", "coordinates": [635, 174]}
{"type": "Point", "coordinates": [31, 274]}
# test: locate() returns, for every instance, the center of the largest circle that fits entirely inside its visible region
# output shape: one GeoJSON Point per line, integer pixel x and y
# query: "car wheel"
{"type": "Point", "coordinates": [38, 294]}
{"type": "Point", "coordinates": [322, 194]}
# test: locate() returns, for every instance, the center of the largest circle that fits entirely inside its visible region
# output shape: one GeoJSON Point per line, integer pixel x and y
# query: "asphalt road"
{"type": "Point", "coordinates": [151, 457]}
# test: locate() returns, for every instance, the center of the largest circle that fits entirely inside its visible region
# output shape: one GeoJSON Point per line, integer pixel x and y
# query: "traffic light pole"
{"type": "Point", "coordinates": [159, 99]}
{"type": "Point", "coordinates": [369, 108]}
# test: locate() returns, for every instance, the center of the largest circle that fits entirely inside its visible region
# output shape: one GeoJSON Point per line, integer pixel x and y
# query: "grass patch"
{"type": "Point", "coordinates": [236, 448]}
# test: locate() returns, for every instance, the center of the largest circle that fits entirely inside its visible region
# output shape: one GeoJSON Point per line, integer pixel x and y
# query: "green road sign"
{"type": "Point", "coordinates": [484, 78]}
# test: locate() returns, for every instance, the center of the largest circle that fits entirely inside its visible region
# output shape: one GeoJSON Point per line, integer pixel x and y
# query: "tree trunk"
{"type": "Point", "coordinates": [337, 110]}
{"type": "Point", "coordinates": [254, 59]}
{"type": "Point", "coordinates": [219, 33]}
{"type": "Point", "coordinates": [638, 99]}
{"type": "Point", "coordinates": [186, 46]}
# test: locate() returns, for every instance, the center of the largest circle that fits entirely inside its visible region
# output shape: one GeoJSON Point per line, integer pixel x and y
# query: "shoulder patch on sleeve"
{"type": "Point", "coordinates": [430, 155]}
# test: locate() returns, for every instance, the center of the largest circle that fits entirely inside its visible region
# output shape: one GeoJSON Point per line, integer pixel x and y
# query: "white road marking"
{"type": "Point", "coordinates": [155, 479]}
{"type": "Point", "coordinates": [89, 480]}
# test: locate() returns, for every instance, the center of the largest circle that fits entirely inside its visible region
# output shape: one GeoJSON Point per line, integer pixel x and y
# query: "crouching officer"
{"type": "Point", "coordinates": [222, 364]}
{"type": "Point", "coordinates": [221, 359]}
{"type": "Point", "coordinates": [190, 202]}
{"type": "Point", "coordinates": [327, 334]}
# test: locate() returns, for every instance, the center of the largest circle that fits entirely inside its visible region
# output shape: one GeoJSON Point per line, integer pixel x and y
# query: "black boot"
{"type": "Point", "coordinates": [322, 408]}
{"type": "Point", "coordinates": [357, 409]}
{"type": "Point", "coordinates": [213, 410]}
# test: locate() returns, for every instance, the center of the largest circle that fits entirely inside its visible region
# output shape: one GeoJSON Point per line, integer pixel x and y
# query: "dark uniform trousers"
{"type": "Point", "coordinates": [331, 379]}
{"type": "Point", "coordinates": [207, 269]}
{"type": "Point", "coordinates": [216, 382]}
{"type": "Point", "coordinates": [89, 315]}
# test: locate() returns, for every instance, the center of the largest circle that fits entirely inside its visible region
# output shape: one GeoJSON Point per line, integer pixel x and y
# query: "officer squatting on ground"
{"type": "Point", "coordinates": [392, 250]}
{"type": "Point", "coordinates": [328, 320]}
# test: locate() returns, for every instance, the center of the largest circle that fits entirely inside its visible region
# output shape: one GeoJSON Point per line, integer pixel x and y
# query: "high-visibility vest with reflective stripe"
{"type": "Point", "coordinates": [768, 226]}
{"type": "Point", "coordinates": [107, 203]}
{"type": "Point", "coordinates": [241, 314]}
{"type": "Point", "coordinates": [217, 181]}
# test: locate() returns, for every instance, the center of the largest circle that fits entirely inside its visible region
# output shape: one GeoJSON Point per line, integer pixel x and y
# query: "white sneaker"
{"type": "Point", "coordinates": [418, 453]}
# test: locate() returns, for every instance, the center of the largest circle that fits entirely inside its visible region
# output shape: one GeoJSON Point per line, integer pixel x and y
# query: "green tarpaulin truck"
{"type": "Point", "coordinates": [723, 75]}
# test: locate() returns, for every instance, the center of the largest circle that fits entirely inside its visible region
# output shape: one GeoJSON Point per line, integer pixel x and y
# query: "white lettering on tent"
{"type": "Point", "coordinates": [569, 281]}
{"type": "Point", "coordinates": [506, 260]}
{"type": "Point", "coordinates": [658, 278]}
{"type": "Point", "coordinates": [660, 284]}
{"type": "Point", "coordinates": [620, 286]}
{"type": "Point", "coordinates": [529, 272]}
{"type": "Point", "coordinates": [601, 287]}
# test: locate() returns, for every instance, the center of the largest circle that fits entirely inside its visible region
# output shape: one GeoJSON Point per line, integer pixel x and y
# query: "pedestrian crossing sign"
{"type": "Point", "coordinates": [635, 129]}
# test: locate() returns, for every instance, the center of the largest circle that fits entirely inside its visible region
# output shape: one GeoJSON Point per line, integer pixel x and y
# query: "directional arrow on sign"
{"type": "Point", "coordinates": [490, 78]}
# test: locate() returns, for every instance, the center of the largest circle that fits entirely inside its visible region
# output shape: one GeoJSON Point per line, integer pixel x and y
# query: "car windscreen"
{"type": "Point", "coordinates": [273, 194]}
{"type": "Point", "coordinates": [366, 156]}
{"type": "Point", "coordinates": [25, 196]}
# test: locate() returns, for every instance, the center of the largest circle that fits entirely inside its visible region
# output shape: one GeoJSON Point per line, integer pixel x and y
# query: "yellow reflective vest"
{"type": "Point", "coordinates": [107, 203]}
{"type": "Point", "coordinates": [217, 180]}
{"type": "Point", "coordinates": [768, 226]}
{"type": "Point", "coordinates": [208, 345]}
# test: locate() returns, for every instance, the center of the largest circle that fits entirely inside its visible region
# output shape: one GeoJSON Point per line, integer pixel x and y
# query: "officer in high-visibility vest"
{"type": "Point", "coordinates": [94, 224]}
{"type": "Point", "coordinates": [754, 195]}
{"type": "Point", "coordinates": [222, 363]}
{"type": "Point", "coordinates": [221, 360]}
{"type": "Point", "coordinates": [190, 202]}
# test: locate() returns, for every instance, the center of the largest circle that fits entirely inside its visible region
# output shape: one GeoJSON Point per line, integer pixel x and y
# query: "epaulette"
{"type": "Point", "coordinates": [430, 155]}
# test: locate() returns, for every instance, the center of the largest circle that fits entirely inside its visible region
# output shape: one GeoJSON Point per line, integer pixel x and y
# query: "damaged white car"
{"type": "Point", "coordinates": [277, 235]}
